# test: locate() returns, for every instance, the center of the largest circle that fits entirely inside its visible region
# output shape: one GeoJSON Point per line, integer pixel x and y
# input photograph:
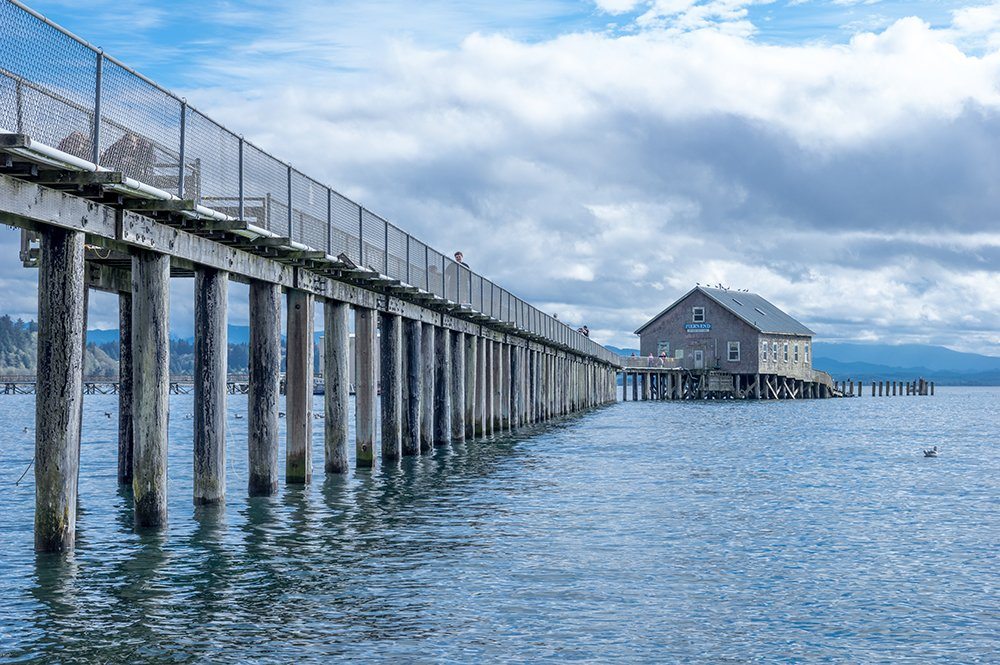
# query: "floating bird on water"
{"type": "Point", "coordinates": [239, 416]}
{"type": "Point", "coordinates": [25, 430]}
{"type": "Point", "coordinates": [933, 452]}
{"type": "Point", "coordinates": [281, 414]}
{"type": "Point", "coordinates": [107, 414]}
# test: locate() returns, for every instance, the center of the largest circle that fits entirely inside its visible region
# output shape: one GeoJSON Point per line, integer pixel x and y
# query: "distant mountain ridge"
{"type": "Point", "coordinates": [897, 362]}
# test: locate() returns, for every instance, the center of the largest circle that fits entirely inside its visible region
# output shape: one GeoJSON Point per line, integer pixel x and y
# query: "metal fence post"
{"type": "Point", "coordinates": [408, 259]}
{"type": "Point", "coordinates": [329, 221]}
{"type": "Point", "coordinates": [361, 236]}
{"type": "Point", "coordinates": [98, 85]}
{"type": "Point", "coordinates": [242, 205]}
{"type": "Point", "coordinates": [180, 173]}
{"type": "Point", "coordinates": [385, 248]}
{"type": "Point", "coordinates": [444, 280]}
{"type": "Point", "coordinates": [290, 203]}
{"type": "Point", "coordinates": [427, 268]}
{"type": "Point", "coordinates": [19, 97]}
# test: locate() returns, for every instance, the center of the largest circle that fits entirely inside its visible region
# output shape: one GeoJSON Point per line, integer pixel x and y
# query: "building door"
{"type": "Point", "coordinates": [699, 359]}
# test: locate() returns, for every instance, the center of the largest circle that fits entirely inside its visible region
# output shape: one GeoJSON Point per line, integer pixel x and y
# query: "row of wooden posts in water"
{"type": "Point", "coordinates": [920, 387]}
{"type": "Point", "coordinates": [436, 385]}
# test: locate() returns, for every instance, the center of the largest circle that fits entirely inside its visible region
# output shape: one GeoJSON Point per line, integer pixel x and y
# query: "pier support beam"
{"type": "Point", "coordinates": [427, 346]}
{"type": "Point", "coordinates": [458, 404]}
{"type": "Point", "coordinates": [515, 387]}
{"type": "Point", "coordinates": [59, 387]}
{"type": "Point", "coordinates": [505, 387]}
{"type": "Point", "coordinates": [125, 447]}
{"type": "Point", "coordinates": [265, 379]}
{"type": "Point", "coordinates": [151, 381]}
{"type": "Point", "coordinates": [299, 388]}
{"type": "Point", "coordinates": [414, 393]}
{"type": "Point", "coordinates": [211, 353]}
{"type": "Point", "coordinates": [471, 374]}
{"type": "Point", "coordinates": [488, 387]}
{"type": "Point", "coordinates": [496, 425]}
{"type": "Point", "coordinates": [365, 386]}
{"type": "Point", "coordinates": [391, 385]}
{"type": "Point", "coordinates": [481, 367]}
{"type": "Point", "coordinates": [336, 379]}
{"type": "Point", "coordinates": [442, 386]}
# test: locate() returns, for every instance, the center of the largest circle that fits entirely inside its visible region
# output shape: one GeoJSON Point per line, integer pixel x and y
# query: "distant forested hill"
{"type": "Point", "coordinates": [19, 342]}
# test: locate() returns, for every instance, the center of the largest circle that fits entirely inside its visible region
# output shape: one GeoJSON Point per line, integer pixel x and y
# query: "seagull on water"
{"type": "Point", "coordinates": [933, 452]}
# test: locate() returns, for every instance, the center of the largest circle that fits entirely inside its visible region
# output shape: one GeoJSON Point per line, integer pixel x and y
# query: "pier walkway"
{"type": "Point", "coordinates": [120, 185]}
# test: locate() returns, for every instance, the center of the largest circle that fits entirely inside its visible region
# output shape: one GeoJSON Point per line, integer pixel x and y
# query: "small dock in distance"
{"type": "Point", "coordinates": [667, 380]}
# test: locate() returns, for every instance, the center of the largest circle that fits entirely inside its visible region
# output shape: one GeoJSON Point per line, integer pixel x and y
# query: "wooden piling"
{"type": "Point", "coordinates": [211, 353]}
{"type": "Point", "coordinates": [471, 374]}
{"type": "Point", "coordinates": [442, 386]}
{"type": "Point", "coordinates": [515, 387]}
{"type": "Point", "coordinates": [151, 382]}
{"type": "Point", "coordinates": [488, 388]}
{"type": "Point", "coordinates": [365, 386]}
{"type": "Point", "coordinates": [497, 380]}
{"type": "Point", "coordinates": [458, 374]}
{"type": "Point", "coordinates": [505, 386]}
{"type": "Point", "coordinates": [125, 447]}
{"type": "Point", "coordinates": [427, 403]}
{"type": "Point", "coordinates": [390, 384]}
{"type": "Point", "coordinates": [264, 388]}
{"type": "Point", "coordinates": [337, 384]}
{"type": "Point", "coordinates": [299, 388]}
{"type": "Point", "coordinates": [480, 408]}
{"type": "Point", "coordinates": [59, 387]}
{"type": "Point", "coordinates": [414, 387]}
{"type": "Point", "coordinates": [932, 388]}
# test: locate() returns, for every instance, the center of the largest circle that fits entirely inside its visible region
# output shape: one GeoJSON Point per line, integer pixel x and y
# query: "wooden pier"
{"type": "Point", "coordinates": [122, 205]}
{"type": "Point", "coordinates": [674, 383]}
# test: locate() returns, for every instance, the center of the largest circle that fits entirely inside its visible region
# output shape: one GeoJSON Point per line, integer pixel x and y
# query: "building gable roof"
{"type": "Point", "coordinates": [752, 308]}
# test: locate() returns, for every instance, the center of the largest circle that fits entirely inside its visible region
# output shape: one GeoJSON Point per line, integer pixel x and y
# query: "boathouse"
{"type": "Point", "coordinates": [736, 332]}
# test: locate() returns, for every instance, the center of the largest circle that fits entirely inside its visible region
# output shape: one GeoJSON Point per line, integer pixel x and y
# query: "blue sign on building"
{"type": "Point", "coordinates": [697, 327]}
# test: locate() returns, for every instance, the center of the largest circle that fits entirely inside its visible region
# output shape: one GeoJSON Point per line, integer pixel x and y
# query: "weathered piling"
{"type": "Point", "coordinates": [496, 409]}
{"type": "Point", "coordinates": [151, 381]}
{"type": "Point", "coordinates": [480, 408]}
{"type": "Point", "coordinates": [59, 387]}
{"type": "Point", "coordinates": [299, 388]}
{"type": "Point", "coordinates": [125, 446]}
{"type": "Point", "coordinates": [336, 376]}
{"type": "Point", "coordinates": [515, 387]}
{"type": "Point", "coordinates": [442, 387]}
{"type": "Point", "coordinates": [390, 384]}
{"type": "Point", "coordinates": [458, 403]}
{"type": "Point", "coordinates": [505, 385]}
{"type": "Point", "coordinates": [488, 387]}
{"type": "Point", "coordinates": [471, 372]}
{"type": "Point", "coordinates": [211, 351]}
{"type": "Point", "coordinates": [427, 348]}
{"type": "Point", "coordinates": [263, 392]}
{"type": "Point", "coordinates": [412, 335]}
{"type": "Point", "coordinates": [365, 386]}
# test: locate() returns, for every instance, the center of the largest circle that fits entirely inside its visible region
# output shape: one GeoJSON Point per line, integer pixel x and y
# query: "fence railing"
{"type": "Point", "coordinates": [66, 94]}
{"type": "Point", "coordinates": [638, 362]}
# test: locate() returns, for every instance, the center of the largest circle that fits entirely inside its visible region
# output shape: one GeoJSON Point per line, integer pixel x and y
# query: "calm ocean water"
{"type": "Point", "coordinates": [698, 532]}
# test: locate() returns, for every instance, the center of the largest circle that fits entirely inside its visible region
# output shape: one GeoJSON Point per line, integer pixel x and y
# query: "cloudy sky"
{"type": "Point", "coordinates": [600, 157]}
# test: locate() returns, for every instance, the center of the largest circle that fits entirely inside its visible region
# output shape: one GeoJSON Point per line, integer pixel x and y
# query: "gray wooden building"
{"type": "Point", "coordinates": [732, 331]}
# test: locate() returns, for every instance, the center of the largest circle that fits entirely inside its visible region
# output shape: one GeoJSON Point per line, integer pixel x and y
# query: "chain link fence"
{"type": "Point", "coordinates": [66, 94]}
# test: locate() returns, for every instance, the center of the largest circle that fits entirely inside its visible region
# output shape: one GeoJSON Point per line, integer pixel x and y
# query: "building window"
{"type": "Point", "coordinates": [679, 354]}
{"type": "Point", "coordinates": [663, 348]}
{"type": "Point", "coordinates": [763, 352]}
{"type": "Point", "coordinates": [805, 348]}
{"type": "Point", "coordinates": [774, 351]}
{"type": "Point", "coordinates": [697, 315]}
{"type": "Point", "coordinates": [785, 349]}
{"type": "Point", "coordinates": [734, 352]}
{"type": "Point", "coordinates": [795, 351]}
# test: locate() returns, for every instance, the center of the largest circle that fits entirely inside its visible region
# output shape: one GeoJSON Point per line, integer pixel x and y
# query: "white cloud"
{"type": "Point", "coordinates": [602, 174]}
